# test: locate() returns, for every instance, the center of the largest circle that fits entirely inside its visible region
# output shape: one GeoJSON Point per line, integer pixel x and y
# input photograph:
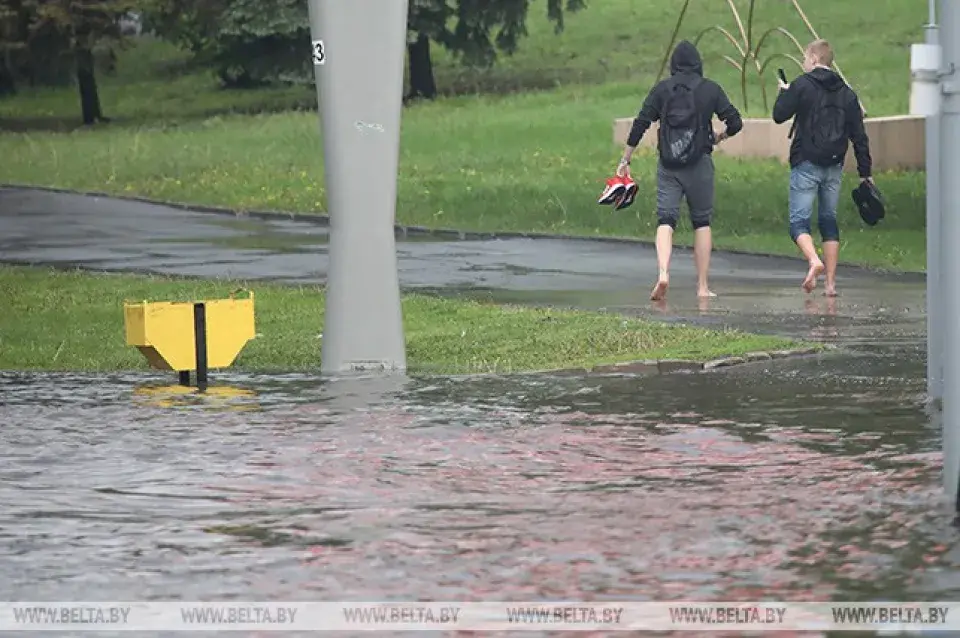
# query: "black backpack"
{"type": "Point", "coordinates": [826, 131]}
{"type": "Point", "coordinates": [680, 144]}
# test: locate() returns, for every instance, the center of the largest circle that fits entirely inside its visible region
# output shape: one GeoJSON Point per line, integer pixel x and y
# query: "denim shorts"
{"type": "Point", "coordinates": [810, 183]}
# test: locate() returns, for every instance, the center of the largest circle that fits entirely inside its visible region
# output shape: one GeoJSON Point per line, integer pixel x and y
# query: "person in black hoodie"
{"type": "Point", "coordinates": [827, 115]}
{"type": "Point", "coordinates": [684, 104]}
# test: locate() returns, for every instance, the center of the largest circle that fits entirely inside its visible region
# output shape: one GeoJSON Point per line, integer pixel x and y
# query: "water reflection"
{"type": "Point", "coordinates": [719, 485]}
{"type": "Point", "coordinates": [178, 396]}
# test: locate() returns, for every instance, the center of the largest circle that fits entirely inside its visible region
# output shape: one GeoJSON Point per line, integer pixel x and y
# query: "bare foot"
{"type": "Point", "coordinates": [831, 305]}
{"type": "Point", "coordinates": [660, 290]}
{"type": "Point", "coordinates": [810, 281]}
{"type": "Point", "coordinates": [706, 293]}
{"type": "Point", "coordinates": [831, 291]}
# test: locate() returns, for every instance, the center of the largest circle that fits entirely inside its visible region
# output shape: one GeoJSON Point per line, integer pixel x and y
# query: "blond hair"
{"type": "Point", "coordinates": [821, 51]}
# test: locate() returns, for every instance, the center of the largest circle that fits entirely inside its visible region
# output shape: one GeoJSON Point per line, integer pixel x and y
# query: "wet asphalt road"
{"type": "Point", "coordinates": [755, 293]}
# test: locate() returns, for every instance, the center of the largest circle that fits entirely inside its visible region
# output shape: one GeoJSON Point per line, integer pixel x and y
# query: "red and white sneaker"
{"type": "Point", "coordinates": [629, 194]}
{"type": "Point", "coordinates": [613, 190]}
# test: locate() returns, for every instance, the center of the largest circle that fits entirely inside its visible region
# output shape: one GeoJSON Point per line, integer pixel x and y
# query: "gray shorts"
{"type": "Point", "coordinates": [693, 182]}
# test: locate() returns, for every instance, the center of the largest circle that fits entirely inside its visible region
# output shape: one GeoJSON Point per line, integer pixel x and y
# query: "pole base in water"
{"type": "Point", "coordinates": [358, 52]}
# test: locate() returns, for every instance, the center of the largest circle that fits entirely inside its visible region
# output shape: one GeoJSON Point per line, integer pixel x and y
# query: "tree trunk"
{"type": "Point", "coordinates": [87, 83]}
{"type": "Point", "coordinates": [422, 83]}
{"type": "Point", "coordinates": [8, 85]}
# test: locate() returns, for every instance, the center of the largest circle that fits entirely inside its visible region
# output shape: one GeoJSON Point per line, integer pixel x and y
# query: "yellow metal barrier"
{"type": "Point", "coordinates": [185, 336]}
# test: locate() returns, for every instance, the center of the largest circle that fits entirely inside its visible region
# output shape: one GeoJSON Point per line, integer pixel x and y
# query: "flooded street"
{"type": "Point", "coordinates": [804, 479]}
{"type": "Point", "coordinates": [720, 485]}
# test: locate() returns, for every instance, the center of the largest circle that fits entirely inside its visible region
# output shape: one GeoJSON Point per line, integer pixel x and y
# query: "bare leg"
{"type": "Point", "coordinates": [805, 243]}
{"type": "Point", "coordinates": [831, 253]}
{"type": "Point", "coordinates": [702, 246]}
{"type": "Point", "coordinates": [664, 250]}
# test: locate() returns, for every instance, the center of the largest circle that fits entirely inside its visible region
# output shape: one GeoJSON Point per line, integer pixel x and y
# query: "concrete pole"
{"type": "Point", "coordinates": [359, 50]}
{"type": "Point", "coordinates": [934, 287]}
{"type": "Point", "coordinates": [950, 224]}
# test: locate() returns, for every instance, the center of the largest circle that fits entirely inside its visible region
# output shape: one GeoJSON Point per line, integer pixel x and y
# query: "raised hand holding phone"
{"type": "Point", "coordinates": [784, 85]}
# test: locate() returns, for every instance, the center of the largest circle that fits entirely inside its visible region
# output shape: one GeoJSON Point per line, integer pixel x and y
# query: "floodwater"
{"type": "Point", "coordinates": [796, 480]}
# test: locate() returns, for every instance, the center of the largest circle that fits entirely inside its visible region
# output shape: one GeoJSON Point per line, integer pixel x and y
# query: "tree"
{"type": "Point", "coordinates": [30, 53]}
{"type": "Point", "coordinates": [12, 42]}
{"type": "Point", "coordinates": [252, 42]}
{"type": "Point", "coordinates": [470, 37]}
{"type": "Point", "coordinates": [247, 42]}
{"type": "Point", "coordinates": [51, 29]}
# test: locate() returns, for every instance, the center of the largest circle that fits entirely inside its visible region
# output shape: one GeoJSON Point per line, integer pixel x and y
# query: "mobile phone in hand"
{"type": "Point", "coordinates": [783, 76]}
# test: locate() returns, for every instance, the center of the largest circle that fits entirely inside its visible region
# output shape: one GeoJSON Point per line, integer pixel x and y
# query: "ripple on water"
{"type": "Point", "coordinates": [715, 486]}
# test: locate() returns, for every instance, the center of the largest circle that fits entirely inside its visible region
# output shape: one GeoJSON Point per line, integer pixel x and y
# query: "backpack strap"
{"type": "Point", "coordinates": [691, 84]}
{"type": "Point", "coordinates": [694, 84]}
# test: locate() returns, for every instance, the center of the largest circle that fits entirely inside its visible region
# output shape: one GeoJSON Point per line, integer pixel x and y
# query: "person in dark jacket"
{"type": "Point", "coordinates": [817, 154]}
{"type": "Point", "coordinates": [694, 181]}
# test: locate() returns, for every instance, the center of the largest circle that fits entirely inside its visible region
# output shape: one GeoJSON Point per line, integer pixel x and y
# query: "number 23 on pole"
{"type": "Point", "coordinates": [319, 54]}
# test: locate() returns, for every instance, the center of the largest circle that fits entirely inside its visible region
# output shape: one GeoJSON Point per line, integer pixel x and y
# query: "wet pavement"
{"type": "Point", "coordinates": [756, 293]}
{"type": "Point", "coordinates": [808, 479]}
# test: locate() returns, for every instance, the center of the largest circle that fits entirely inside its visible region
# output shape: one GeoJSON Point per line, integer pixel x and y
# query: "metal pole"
{"type": "Point", "coordinates": [934, 288]}
{"type": "Point", "coordinates": [950, 224]}
{"type": "Point", "coordinates": [200, 343]}
{"type": "Point", "coordinates": [359, 51]}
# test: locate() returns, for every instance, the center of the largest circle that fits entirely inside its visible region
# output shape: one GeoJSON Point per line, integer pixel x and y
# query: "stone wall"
{"type": "Point", "coordinates": [896, 143]}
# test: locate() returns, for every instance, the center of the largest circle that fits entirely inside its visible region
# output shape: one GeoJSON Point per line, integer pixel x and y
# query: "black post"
{"type": "Point", "coordinates": [184, 377]}
{"type": "Point", "coordinates": [200, 341]}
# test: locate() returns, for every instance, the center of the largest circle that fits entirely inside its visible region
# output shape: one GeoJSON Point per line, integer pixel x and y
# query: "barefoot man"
{"type": "Point", "coordinates": [684, 104]}
{"type": "Point", "coordinates": [827, 114]}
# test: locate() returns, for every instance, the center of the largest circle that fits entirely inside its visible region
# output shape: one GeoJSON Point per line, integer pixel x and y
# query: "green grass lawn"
{"type": "Point", "coordinates": [68, 320]}
{"type": "Point", "coordinates": [532, 161]}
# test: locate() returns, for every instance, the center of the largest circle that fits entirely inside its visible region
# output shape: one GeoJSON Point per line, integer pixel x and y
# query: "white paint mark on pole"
{"type": "Point", "coordinates": [363, 127]}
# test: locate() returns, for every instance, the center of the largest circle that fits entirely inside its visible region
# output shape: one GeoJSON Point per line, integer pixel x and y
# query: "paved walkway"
{"type": "Point", "coordinates": [755, 293]}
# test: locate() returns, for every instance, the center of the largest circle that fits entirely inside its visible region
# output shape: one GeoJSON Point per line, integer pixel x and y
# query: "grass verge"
{"type": "Point", "coordinates": [72, 320]}
{"type": "Point", "coordinates": [479, 164]}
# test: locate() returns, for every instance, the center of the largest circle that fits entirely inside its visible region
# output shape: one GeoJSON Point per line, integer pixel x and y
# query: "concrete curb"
{"type": "Point", "coordinates": [322, 219]}
{"type": "Point", "coordinates": [675, 366]}
{"type": "Point", "coordinates": [640, 368]}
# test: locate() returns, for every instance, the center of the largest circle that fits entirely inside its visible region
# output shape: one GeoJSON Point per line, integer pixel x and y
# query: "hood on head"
{"type": "Point", "coordinates": [686, 58]}
{"type": "Point", "coordinates": [827, 78]}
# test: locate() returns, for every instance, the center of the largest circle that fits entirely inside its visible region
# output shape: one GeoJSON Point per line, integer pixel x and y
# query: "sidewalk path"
{"type": "Point", "coordinates": [755, 293]}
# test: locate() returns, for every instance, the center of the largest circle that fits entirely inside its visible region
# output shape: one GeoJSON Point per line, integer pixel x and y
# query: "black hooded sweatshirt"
{"type": "Point", "coordinates": [709, 97]}
{"type": "Point", "coordinates": [802, 96]}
